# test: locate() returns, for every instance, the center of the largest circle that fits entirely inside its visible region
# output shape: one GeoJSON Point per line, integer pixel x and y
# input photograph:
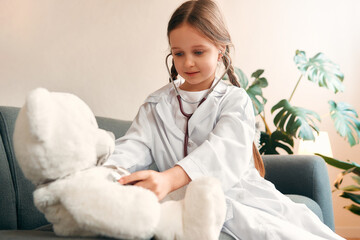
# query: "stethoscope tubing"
{"type": "Point", "coordinates": [179, 97]}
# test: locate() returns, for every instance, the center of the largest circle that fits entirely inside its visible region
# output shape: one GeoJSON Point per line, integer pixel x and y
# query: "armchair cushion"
{"type": "Point", "coordinates": [311, 204]}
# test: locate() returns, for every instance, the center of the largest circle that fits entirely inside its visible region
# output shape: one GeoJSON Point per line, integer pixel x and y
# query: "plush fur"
{"type": "Point", "coordinates": [60, 148]}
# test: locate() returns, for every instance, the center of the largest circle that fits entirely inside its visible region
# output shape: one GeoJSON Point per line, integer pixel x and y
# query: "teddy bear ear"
{"type": "Point", "coordinates": [39, 110]}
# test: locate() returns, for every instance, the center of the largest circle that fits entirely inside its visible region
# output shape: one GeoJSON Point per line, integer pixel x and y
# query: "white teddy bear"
{"type": "Point", "coordinates": [60, 148]}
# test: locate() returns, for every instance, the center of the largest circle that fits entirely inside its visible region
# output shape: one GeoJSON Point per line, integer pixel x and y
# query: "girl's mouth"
{"type": "Point", "coordinates": [191, 73]}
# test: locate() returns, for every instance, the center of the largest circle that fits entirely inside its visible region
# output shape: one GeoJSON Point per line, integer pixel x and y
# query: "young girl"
{"type": "Point", "coordinates": [218, 136]}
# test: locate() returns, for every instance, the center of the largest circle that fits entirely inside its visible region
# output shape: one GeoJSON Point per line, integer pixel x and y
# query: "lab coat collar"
{"type": "Point", "coordinates": [163, 107]}
{"type": "Point", "coordinates": [167, 91]}
{"type": "Point", "coordinates": [208, 106]}
{"type": "Point", "coordinates": [202, 112]}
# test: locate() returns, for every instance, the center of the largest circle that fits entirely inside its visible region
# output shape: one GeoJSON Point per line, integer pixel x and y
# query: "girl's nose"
{"type": "Point", "coordinates": [189, 61]}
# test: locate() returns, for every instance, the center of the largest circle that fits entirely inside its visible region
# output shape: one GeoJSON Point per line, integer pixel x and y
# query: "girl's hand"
{"type": "Point", "coordinates": [149, 179]}
{"type": "Point", "coordinates": [160, 183]}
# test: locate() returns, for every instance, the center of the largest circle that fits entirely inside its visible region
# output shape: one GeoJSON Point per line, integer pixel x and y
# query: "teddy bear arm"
{"type": "Point", "coordinates": [44, 197]}
{"type": "Point", "coordinates": [105, 145]}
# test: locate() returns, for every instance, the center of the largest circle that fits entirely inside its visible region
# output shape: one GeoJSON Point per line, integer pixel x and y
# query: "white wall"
{"type": "Point", "coordinates": [111, 54]}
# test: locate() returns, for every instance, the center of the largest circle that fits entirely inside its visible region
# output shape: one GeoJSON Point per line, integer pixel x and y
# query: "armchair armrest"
{"type": "Point", "coordinates": [304, 175]}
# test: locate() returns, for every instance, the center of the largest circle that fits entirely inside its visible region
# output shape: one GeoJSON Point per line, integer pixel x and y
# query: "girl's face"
{"type": "Point", "coordinates": [195, 57]}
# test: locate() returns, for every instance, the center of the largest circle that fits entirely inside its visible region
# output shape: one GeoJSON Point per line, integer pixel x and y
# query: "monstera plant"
{"type": "Point", "coordinates": [296, 122]}
{"type": "Point", "coordinates": [351, 192]}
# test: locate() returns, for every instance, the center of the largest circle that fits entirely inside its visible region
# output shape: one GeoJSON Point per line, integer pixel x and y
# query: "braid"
{"type": "Point", "coordinates": [259, 164]}
{"type": "Point", "coordinates": [230, 72]}
{"type": "Point", "coordinates": [174, 73]}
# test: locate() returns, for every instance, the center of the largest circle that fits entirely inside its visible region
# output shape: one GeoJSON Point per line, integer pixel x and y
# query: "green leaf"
{"type": "Point", "coordinates": [353, 208]}
{"type": "Point", "coordinates": [341, 176]}
{"type": "Point", "coordinates": [257, 73]}
{"type": "Point", "coordinates": [339, 180]}
{"type": "Point", "coordinates": [255, 93]}
{"type": "Point", "coordinates": [243, 80]}
{"type": "Point", "coordinates": [341, 164]}
{"type": "Point", "coordinates": [321, 70]}
{"type": "Point", "coordinates": [255, 89]}
{"type": "Point", "coordinates": [346, 122]}
{"type": "Point", "coordinates": [356, 179]}
{"type": "Point", "coordinates": [278, 139]}
{"type": "Point", "coordinates": [351, 188]}
{"type": "Point", "coordinates": [354, 197]}
{"type": "Point", "coordinates": [295, 120]}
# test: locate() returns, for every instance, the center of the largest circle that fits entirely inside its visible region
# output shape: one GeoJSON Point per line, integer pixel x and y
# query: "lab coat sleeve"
{"type": "Point", "coordinates": [132, 151]}
{"type": "Point", "coordinates": [227, 152]}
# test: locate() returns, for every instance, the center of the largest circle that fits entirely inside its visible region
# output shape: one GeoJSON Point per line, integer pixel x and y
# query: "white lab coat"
{"type": "Point", "coordinates": [221, 132]}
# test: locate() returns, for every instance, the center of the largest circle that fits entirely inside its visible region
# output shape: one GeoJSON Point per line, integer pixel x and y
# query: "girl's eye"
{"type": "Point", "coordinates": [179, 54]}
{"type": "Point", "coordinates": [198, 52]}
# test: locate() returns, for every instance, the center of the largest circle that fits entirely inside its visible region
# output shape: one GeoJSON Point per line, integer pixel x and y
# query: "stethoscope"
{"type": "Point", "coordinates": [179, 98]}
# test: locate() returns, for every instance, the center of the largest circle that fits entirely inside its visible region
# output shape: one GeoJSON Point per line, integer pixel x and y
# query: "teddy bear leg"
{"type": "Point", "coordinates": [64, 224]}
{"type": "Point", "coordinates": [204, 209]}
{"type": "Point", "coordinates": [170, 226]}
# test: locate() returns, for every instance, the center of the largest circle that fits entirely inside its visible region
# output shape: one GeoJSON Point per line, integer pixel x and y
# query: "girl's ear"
{"type": "Point", "coordinates": [221, 51]}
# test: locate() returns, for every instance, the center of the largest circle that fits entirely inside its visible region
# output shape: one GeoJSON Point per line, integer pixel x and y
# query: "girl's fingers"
{"type": "Point", "coordinates": [147, 179]}
{"type": "Point", "coordinates": [134, 177]}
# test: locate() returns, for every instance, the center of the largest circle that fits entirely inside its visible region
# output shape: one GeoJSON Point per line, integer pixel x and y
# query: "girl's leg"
{"type": "Point", "coordinates": [250, 223]}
